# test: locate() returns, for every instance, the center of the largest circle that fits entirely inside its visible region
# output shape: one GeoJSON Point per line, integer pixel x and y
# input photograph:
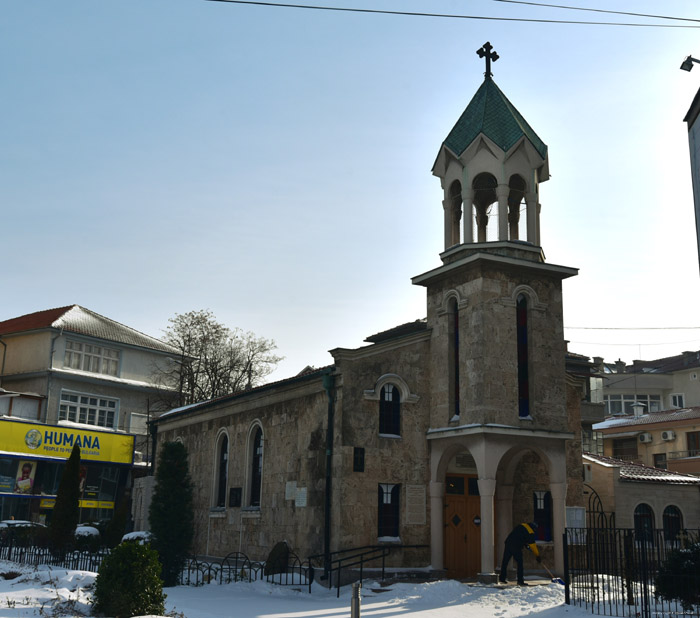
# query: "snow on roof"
{"type": "Point", "coordinates": [77, 319]}
{"type": "Point", "coordinates": [635, 472]}
{"type": "Point", "coordinates": [666, 416]}
{"type": "Point", "coordinates": [307, 372]}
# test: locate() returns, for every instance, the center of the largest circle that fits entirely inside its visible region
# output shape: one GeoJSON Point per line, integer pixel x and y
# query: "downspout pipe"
{"type": "Point", "coordinates": [329, 386]}
{"type": "Point", "coordinates": [50, 376]}
{"type": "Point", "coordinates": [4, 354]}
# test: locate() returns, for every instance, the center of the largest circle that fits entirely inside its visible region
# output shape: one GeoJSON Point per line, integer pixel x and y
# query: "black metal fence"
{"type": "Point", "coordinates": [614, 571]}
{"type": "Point", "coordinates": [14, 550]}
{"type": "Point", "coordinates": [237, 567]}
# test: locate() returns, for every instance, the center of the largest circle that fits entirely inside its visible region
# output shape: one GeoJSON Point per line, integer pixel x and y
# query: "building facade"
{"type": "Point", "coordinates": [645, 498]}
{"type": "Point", "coordinates": [668, 440]}
{"type": "Point", "coordinates": [71, 375]}
{"type": "Point", "coordinates": [439, 435]}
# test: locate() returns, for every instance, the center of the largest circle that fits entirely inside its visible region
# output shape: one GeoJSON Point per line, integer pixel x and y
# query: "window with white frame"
{"type": "Point", "coordinates": [88, 409]}
{"type": "Point", "coordinates": [677, 400]}
{"type": "Point", "coordinates": [92, 358]}
{"type": "Point", "coordinates": [622, 404]}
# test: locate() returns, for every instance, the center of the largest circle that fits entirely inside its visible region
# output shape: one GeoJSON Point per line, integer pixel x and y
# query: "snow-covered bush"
{"type": "Point", "coordinates": [128, 583]}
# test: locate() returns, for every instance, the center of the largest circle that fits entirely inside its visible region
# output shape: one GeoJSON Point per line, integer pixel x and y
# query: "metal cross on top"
{"type": "Point", "coordinates": [485, 52]}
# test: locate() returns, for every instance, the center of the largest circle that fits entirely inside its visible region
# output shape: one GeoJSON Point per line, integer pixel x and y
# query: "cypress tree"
{"type": "Point", "coordinates": [171, 514]}
{"type": "Point", "coordinates": [66, 511]}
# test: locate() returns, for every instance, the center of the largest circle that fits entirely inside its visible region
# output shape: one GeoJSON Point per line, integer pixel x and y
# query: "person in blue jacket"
{"type": "Point", "coordinates": [522, 536]}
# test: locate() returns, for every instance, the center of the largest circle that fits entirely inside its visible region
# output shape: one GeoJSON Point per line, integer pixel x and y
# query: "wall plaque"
{"type": "Point", "coordinates": [415, 504]}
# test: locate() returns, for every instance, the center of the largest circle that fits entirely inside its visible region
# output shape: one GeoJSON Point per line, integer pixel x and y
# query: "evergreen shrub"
{"type": "Point", "coordinates": [678, 578]}
{"type": "Point", "coordinates": [66, 511]}
{"type": "Point", "coordinates": [128, 583]}
{"type": "Point", "coordinates": [171, 513]}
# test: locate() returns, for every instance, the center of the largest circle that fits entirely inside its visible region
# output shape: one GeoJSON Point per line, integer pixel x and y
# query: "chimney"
{"type": "Point", "coordinates": [620, 366]}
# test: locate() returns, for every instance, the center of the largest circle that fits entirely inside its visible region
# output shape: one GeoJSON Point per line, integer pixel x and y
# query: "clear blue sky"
{"type": "Point", "coordinates": [273, 165]}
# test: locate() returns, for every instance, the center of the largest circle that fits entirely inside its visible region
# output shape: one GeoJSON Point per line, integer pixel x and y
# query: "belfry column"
{"type": "Point", "coordinates": [468, 223]}
{"type": "Point", "coordinates": [532, 212]}
{"type": "Point", "coordinates": [502, 192]}
{"type": "Point", "coordinates": [447, 208]}
{"type": "Point", "coordinates": [437, 517]}
{"type": "Point", "coordinates": [558, 491]}
{"type": "Point", "coordinates": [487, 489]}
{"type": "Point", "coordinates": [504, 509]}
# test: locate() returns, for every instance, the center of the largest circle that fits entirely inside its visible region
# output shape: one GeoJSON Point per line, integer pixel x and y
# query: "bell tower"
{"type": "Point", "coordinates": [490, 166]}
{"type": "Point", "coordinates": [497, 349]}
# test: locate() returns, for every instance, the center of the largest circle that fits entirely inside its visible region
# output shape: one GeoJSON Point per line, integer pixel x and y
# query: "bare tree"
{"type": "Point", "coordinates": [214, 360]}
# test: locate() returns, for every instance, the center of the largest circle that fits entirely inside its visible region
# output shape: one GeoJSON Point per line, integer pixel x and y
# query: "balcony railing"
{"type": "Point", "coordinates": [683, 454]}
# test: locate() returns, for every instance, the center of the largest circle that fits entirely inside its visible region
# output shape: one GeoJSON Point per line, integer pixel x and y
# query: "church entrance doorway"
{"type": "Point", "coordinates": [462, 526]}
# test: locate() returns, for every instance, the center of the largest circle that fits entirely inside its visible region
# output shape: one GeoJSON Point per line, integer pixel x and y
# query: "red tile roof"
{"type": "Point", "coordinates": [33, 321]}
{"type": "Point", "coordinates": [77, 319]}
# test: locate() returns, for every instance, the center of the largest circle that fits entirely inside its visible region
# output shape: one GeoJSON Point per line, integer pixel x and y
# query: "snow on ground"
{"type": "Point", "coordinates": [45, 591]}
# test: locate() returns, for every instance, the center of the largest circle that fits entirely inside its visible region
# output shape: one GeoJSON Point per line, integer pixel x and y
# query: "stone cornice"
{"type": "Point", "coordinates": [561, 272]}
{"type": "Point", "coordinates": [502, 430]}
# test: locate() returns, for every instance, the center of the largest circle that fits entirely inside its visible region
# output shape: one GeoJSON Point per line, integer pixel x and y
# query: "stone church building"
{"type": "Point", "coordinates": [439, 435]}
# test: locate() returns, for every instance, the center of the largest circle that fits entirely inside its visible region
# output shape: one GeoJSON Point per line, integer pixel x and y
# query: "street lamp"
{"type": "Point", "coordinates": [687, 64]}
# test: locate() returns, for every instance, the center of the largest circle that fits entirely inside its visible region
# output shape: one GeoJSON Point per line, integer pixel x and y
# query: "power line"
{"type": "Point", "coordinates": [636, 345]}
{"type": "Point", "coordinates": [580, 8]}
{"type": "Point", "coordinates": [447, 15]}
{"type": "Point", "coordinates": [633, 327]}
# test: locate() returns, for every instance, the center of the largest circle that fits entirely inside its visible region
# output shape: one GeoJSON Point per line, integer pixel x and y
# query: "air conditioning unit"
{"type": "Point", "coordinates": [645, 437]}
{"type": "Point", "coordinates": [668, 435]}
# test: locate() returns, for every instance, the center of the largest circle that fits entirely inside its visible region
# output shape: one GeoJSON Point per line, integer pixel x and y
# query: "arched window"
{"type": "Point", "coordinates": [453, 355]}
{"type": "Point", "coordinates": [673, 523]}
{"type": "Point", "coordinates": [256, 462]}
{"type": "Point", "coordinates": [390, 410]}
{"type": "Point", "coordinates": [644, 523]}
{"type": "Point", "coordinates": [222, 471]}
{"type": "Point", "coordinates": [523, 355]}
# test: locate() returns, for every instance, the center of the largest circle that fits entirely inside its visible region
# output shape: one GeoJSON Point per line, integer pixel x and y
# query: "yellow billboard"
{"type": "Point", "coordinates": [58, 441]}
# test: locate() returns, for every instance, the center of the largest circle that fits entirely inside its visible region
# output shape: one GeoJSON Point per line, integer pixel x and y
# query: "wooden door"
{"type": "Point", "coordinates": [462, 526]}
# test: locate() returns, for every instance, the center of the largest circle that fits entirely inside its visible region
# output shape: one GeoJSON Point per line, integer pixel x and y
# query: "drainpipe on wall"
{"type": "Point", "coordinates": [48, 379]}
{"type": "Point", "coordinates": [328, 384]}
{"type": "Point", "coordinates": [4, 354]}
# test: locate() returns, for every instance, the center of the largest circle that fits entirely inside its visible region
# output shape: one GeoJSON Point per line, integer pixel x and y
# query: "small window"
{"type": "Point", "coordinates": [677, 400]}
{"type": "Point", "coordinates": [660, 461]}
{"type": "Point", "coordinates": [358, 459]}
{"type": "Point", "coordinates": [389, 411]}
{"type": "Point", "coordinates": [543, 515]}
{"type": "Point", "coordinates": [454, 485]}
{"type": "Point", "coordinates": [388, 510]}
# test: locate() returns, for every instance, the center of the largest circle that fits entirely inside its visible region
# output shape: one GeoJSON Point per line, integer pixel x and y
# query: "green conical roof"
{"type": "Point", "coordinates": [491, 113]}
